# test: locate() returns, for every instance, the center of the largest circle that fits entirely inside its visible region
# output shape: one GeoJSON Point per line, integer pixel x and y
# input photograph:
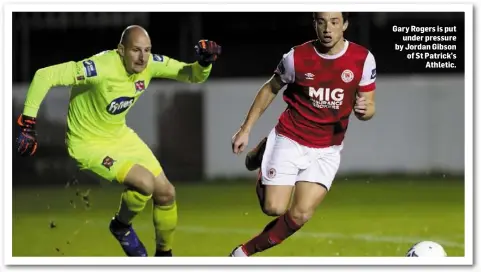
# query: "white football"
{"type": "Point", "coordinates": [426, 249]}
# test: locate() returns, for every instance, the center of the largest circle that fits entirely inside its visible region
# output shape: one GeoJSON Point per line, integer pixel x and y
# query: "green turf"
{"type": "Point", "coordinates": [359, 217]}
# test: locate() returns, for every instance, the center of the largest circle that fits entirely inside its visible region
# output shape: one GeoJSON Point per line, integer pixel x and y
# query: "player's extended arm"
{"type": "Point", "coordinates": [207, 53]}
{"type": "Point", "coordinates": [63, 74]}
{"type": "Point", "coordinates": [263, 99]}
{"type": "Point", "coordinates": [179, 71]}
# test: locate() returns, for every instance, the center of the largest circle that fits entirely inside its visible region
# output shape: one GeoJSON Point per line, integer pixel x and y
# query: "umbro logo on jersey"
{"type": "Point", "coordinates": [309, 76]}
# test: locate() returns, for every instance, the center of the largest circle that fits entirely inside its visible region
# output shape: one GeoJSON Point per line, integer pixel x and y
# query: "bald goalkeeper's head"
{"type": "Point", "coordinates": [134, 48]}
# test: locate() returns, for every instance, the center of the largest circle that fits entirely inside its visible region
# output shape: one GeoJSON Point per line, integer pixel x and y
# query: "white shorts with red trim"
{"type": "Point", "coordinates": [286, 162]}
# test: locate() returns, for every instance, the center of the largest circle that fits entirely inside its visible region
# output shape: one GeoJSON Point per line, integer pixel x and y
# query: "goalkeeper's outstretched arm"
{"type": "Point", "coordinates": [63, 74]}
{"type": "Point", "coordinates": [166, 67]}
{"type": "Point", "coordinates": [207, 53]}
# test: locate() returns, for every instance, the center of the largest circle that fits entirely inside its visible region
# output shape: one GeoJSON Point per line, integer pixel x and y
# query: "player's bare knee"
{"type": "Point", "coordinates": [145, 186]}
{"type": "Point", "coordinates": [272, 209]}
{"type": "Point", "coordinates": [301, 216]}
{"type": "Point", "coordinates": [141, 180]}
{"type": "Point", "coordinates": [164, 195]}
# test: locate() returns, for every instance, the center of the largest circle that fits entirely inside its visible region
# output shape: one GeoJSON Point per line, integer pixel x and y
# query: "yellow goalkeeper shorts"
{"type": "Point", "coordinates": [112, 159]}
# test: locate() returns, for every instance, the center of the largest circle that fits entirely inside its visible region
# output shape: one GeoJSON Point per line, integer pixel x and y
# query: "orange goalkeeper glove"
{"type": "Point", "coordinates": [27, 139]}
{"type": "Point", "coordinates": [207, 52]}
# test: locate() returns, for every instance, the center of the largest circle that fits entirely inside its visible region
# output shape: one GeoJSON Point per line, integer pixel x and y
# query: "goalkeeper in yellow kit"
{"type": "Point", "coordinates": [104, 88]}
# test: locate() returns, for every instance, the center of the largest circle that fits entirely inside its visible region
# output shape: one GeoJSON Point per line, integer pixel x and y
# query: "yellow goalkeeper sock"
{"type": "Point", "coordinates": [132, 202]}
{"type": "Point", "coordinates": [165, 222]}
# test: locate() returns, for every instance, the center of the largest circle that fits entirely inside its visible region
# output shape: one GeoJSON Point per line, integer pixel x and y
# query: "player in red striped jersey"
{"type": "Point", "coordinates": [325, 80]}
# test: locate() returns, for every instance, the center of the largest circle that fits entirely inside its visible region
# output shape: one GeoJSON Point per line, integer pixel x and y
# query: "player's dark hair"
{"type": "Point", "coordinates": [345, 16]}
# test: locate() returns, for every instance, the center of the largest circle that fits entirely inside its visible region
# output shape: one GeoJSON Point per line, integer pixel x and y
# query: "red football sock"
{"type": "Point", "coordinates": [273, 234]}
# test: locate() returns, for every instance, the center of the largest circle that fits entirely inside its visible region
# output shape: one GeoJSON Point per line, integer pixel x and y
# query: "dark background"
{"type": "Point", "coordinates": [253, 44]}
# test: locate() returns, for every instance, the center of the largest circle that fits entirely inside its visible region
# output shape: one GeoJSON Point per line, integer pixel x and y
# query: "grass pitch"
{"type": "Point", "coordinates": [359, 217]}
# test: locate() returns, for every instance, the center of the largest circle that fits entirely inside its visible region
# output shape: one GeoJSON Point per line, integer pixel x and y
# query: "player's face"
{"type": "Point", "coordinates": [136, 54]}
{"type": "Point", "coordinates": [329, 27]}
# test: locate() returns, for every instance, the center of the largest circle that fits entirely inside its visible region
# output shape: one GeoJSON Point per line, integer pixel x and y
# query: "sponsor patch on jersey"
{"type": "Point", "coordinates": [90, 70]}
{"type": "Point", "coordinates": [108, 162]}
{"type": "Point", "coordinates": [373, 73]}
{"type": "Point", "coordinates": [158, 58]}
{"type": "Point", "coordinates": [120, 105]}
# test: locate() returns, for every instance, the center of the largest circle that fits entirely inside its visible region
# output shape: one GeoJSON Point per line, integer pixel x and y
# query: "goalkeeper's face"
{"type": "Point", "coordinates": [136, 54]}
